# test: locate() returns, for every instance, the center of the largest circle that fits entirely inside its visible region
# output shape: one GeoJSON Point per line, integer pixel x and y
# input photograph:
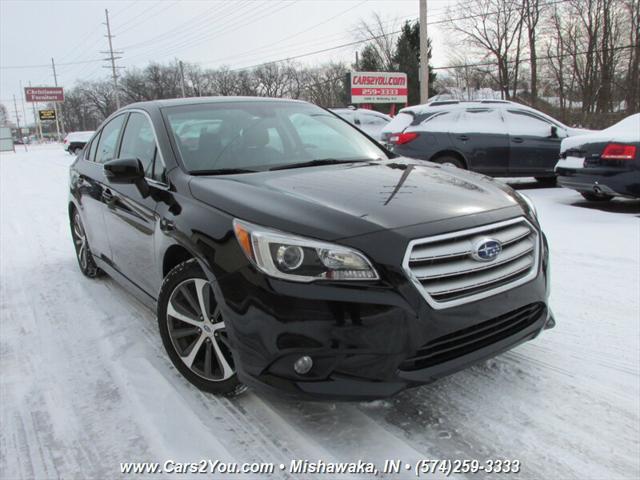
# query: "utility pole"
{"type": "Point", "coordinates": [424, 54]}
{"type": "Point", "coordinates": [55, 105]}
{"type": "Point", "coordinates": [181, 77]}
{"type": "Point", "coordinates": [36, 119]}
{"type": "Point", "coordinates": [357, 61]}
{"type": "Point", "coordinates": [15, 106]}
{"type": "Point", "coordinates": [112, 58]}
{"type": "Point", "coordinates": [24, 111]}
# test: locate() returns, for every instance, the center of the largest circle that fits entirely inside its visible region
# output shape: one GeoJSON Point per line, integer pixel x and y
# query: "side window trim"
{"type": "Point", "coordinates": [121, 134]}
{"type": "Point", "coordinates": [158, 151]}
{"type": "Point", "coordinates": [94, 141]}
{"type": "Point", "coordinates": [118, 139]}
{"type": "Point", "coordinates": [534, 116]}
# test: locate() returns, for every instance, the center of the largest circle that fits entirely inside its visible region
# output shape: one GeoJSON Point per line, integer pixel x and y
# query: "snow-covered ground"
{"type": "Point", "coordinates": [85, 383]}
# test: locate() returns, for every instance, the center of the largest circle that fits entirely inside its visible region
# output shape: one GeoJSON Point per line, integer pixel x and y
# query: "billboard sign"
{"type": "Point", "coordinates": [378, 87]}
{"type": "Point", "coordinates": [49, 114]}
{"type": "Point", "coordinates": [44, 94]}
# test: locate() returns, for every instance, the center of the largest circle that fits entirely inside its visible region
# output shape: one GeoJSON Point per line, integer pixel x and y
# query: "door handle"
{"type": "Point", "coordinates": [167, 225]}
{"type": "Point", "coordinates": [464, 138]}
{"type": "Point", "coordinates": [517, 140]}
{"type": "Point", "coordinates": [107, 196]}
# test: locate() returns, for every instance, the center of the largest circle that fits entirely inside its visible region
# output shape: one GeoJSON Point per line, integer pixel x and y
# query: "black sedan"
{"type": "Point", "coordinates": [284, 249]}
{"type": "Point", "coordinates": [604, 164]}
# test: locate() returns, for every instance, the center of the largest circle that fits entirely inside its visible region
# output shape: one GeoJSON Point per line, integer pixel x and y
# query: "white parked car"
{"type": "Point", "coordinates": [369, 121]}
{"type": "Point", "coordinates": [74, 142]}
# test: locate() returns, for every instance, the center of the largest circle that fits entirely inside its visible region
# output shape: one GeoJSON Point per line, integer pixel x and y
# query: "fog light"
{"type": "Point", "coordinates": [303, 365]}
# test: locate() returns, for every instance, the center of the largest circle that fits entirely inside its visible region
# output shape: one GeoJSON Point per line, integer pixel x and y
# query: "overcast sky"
{"type": "Point", "coordinates": [212, 33]}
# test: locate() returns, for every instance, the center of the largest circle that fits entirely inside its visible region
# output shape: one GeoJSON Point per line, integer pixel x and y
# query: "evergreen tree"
{"type": "Point", "coordinates": [407, 60]}
{"type": "Point", "coordinates": [370, 59]}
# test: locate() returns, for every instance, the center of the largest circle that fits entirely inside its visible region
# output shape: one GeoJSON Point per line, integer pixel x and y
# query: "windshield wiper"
{"type": "Point", "coordinates": [222, 171]}
{"type": "Point", "coordinates": [314, 163]}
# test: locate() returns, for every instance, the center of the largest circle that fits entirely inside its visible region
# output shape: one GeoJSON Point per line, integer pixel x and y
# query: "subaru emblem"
{"type": "Point", "coordinates": [486, 249]}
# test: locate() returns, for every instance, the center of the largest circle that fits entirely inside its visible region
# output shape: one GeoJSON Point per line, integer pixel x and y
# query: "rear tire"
{"type": "Point", "coordinates": [76, 151]}
{"type": "Point", "coordinates": [193, 331]}
{"type": "Point", "coordinates": [592, 197]}
{"type": "Point", "coordinates": [547, 181]}
{"type": "Point", "coordinates": [450, 161]}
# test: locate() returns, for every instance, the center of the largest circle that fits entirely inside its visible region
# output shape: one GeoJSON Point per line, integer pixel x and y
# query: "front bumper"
{"type": "Point", "coordinates": [603, 180]}
{"type": "Point", "coordinates": [364, 338]}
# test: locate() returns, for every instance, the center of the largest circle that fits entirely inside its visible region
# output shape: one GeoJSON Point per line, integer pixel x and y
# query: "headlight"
{"type": "Point", "coordinates": [300, 259]}
{"type": "Point", "coordinates": [527, 200]}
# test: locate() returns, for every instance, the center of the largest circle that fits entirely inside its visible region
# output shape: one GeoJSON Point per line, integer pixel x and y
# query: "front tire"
{"type": "Point", "coordinates": [83, 252]}
{"type": "Point", "coordinates": [450, 161]}
{"type": "Point", "coordinates": [592, 197]}
{"type": "Point", "coordinates": [193, 331]}
{"type": "Point", "coordinates": [547, 181]}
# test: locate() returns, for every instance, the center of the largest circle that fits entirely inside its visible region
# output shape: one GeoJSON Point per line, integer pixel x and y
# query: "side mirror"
{"type": "Point", "coordinates": [127, 171]}
{"type": "Point", "coordinates": [554, 131]}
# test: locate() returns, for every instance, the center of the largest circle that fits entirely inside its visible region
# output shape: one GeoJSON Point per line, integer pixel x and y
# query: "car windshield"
{"type": "Point", "coordinates": [243, 136]}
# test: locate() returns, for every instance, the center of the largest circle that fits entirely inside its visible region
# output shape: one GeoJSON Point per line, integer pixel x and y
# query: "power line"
{"type": "Point", "coordinates": [357, 42]}
{"type": "Point", "coordinates": [46, 65]}
{"type": "Point", "coordinates": [231, 25]}
{"type": "Point", "coordinates": [221, 19]}
{"type": "Point", "coordinates": [193, 22]}
{"type": "Point", "coordinates": [545, 57]}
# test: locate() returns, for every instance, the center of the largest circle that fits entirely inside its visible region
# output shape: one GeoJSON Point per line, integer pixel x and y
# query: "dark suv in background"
{"type": "Point", "coordinates": [494, 137]}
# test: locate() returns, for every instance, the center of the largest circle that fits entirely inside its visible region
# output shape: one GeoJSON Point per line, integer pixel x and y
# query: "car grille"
{"type": "Point", "coordinates": [467, 340]}
{"type": "Point", "coordinates": [446, 274]}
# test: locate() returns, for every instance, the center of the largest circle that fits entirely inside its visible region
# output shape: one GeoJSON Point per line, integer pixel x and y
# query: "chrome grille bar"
{"type": "Point", "coordinates": [444, 271]}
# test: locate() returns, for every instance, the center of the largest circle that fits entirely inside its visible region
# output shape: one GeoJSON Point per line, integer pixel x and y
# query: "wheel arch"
{"type": "Point", "coordinates": [450, 153]}
{"type": "Point", "coordinates": [174, 255]}
{"type": "Point", "coordinates": [72, 207]}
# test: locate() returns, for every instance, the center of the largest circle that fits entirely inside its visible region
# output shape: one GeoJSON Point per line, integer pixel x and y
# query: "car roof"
{"type": "Point", "coordinates": [174, 102]}
{"type": "Point", "coordinates": [449, 105]}
{"type": "Point", "coordinates": [364, 111]}
{"type": "Point", "coordinates": [458, 104]}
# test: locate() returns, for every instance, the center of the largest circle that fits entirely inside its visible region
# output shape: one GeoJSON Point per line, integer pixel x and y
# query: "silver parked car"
{"type": "Point", "coordinates": [369, 121]}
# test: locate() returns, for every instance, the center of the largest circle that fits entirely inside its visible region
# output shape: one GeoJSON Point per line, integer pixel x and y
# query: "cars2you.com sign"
{"type": "Point", "coordinates": [378, 87]}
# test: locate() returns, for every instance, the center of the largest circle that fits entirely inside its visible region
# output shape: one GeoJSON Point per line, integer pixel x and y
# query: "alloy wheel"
{"type": "Point", "coordinates": [197, 330]}
{"type": "Point", "coordinates": [80, 241]}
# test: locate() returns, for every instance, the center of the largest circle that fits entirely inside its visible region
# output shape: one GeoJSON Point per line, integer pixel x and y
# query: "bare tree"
{"type": "Point", "coordinates": [324, 86]}
{"type": "Point", "coordinates": [381, 42]}
{"type": "Point", "coordinates": [4, 115]}
{"type": "Point", "coordinates": [494, 29]}
{"type": "Point", "coordinates": [99, 97]}
{"type": "Point", "coordinates": [533, 10]}
{"type": "Point", "coordinates": [274, 79]}
{"type": "Point", "coordinates": [632, 81]}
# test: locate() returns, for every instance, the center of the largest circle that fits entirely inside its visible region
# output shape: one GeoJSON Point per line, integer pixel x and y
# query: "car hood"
{"type": "Point", "coordinates": [340, 201]}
